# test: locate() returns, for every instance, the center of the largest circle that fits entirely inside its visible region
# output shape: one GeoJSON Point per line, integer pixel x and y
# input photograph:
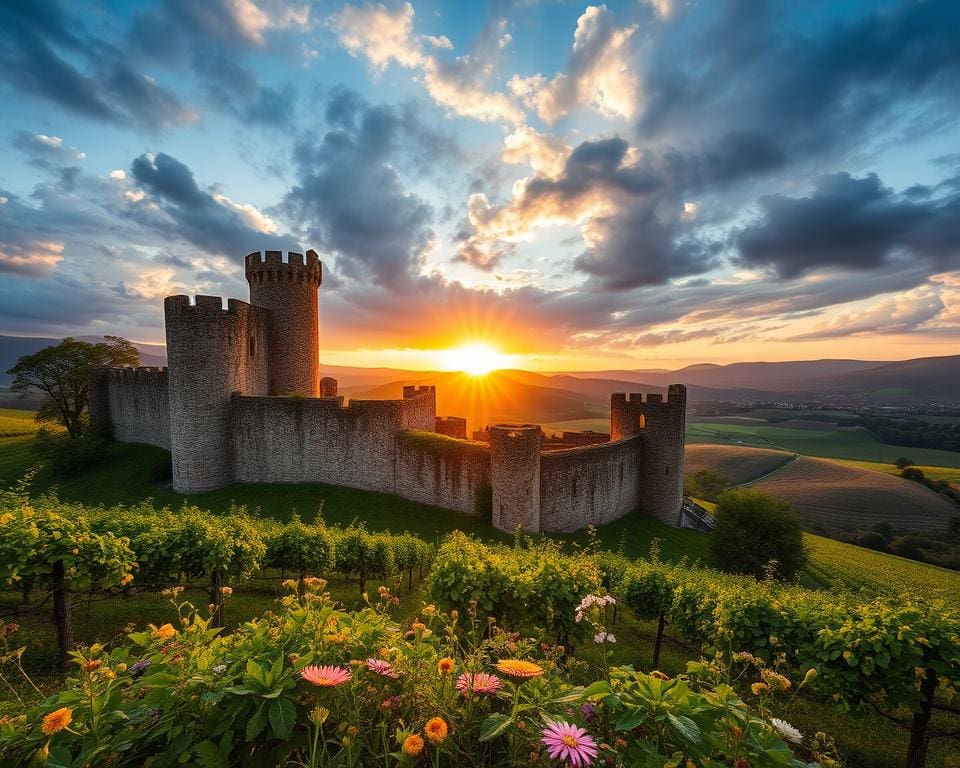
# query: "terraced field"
{"type": "Point", "coordinates": [740, 464]}
{"type": "Point", "coordinates": [14, 423]}
{"type": "Point", "coordinates": [838, 495]}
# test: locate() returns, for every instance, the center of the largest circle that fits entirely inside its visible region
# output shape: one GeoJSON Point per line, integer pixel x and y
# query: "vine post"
{"type": "Point", "coordinates": [920, 723]}
{"type": "Point", "coordinates": [62, 615]}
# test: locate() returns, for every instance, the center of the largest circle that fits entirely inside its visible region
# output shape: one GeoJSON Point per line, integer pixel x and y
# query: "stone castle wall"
{"type": "Point", "coordinates": [319, 440]}
{"type": "Point", "coordinates": [441, 471]}
{"type": "Point", "coordinates": [592, 485]}
{"type": "Point", "coordinates": [138, 405]}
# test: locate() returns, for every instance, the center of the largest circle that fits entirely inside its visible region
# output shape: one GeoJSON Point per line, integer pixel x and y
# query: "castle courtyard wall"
{"type": "Point", "coordinates": [441, 471]}
{"type": "Point", "coordinates": [592, 485]}
{"type": "Point", "coordinates": [138, 405]}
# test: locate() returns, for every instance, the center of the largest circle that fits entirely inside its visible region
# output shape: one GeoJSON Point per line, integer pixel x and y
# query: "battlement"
{"type": "Point", "coordinates": [413, 391]}
{"type": "Point", "coordinates": [270, 267]}
{"type": "Point", "coordinates": [650, 401]}
{"type": "Point", "coordinates": [129, 373]}
{"type": "Point", "coordinates": [203, 305]}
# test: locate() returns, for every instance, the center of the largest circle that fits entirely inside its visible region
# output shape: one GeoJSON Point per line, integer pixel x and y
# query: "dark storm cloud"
{"type": "Point", "coordinates": [193, 214]}
{"type": "Point", "coordinates": [350, 198]}
{"type": "Point", "coordinates": [44, 53]}
{"type": "Point", "coordinates": [850, 223]}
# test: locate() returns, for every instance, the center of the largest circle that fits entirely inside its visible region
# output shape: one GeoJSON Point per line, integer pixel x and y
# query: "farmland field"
{"type": "Point", "coordinates": [950, 474]}
{"type": "Point", "coordinates": [839, 496]}
{"type": "Point", "coordinates": [740, 465]}
{"type": "Point", "coordinates": [14, 422]}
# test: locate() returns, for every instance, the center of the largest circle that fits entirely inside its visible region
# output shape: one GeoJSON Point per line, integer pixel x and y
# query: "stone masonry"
{"type": "Point", "coordinates": [242, 401]}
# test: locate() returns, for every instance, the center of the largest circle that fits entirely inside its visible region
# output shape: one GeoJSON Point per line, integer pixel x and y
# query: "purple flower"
{"type": "Point", "coordinates": [139, 668]}
{"type": "Point", "coordinates": [589, 711]}
{"type": "Point", "coordinates": [567, 742]}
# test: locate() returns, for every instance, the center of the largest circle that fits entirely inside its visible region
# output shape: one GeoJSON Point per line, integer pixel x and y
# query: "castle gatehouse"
{"type": "Point", "coordinates": [242, 401]}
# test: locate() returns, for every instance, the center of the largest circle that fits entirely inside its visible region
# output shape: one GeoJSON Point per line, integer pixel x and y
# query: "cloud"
{"type": "Point", "coordinates": [384, 36]}
{"type": "Point", "coordinates": [47, 152]}
{"type": "Point", "coordinates": [35, 258]}
{"type": "Point", "coordinates": [350, 199]}
{"type": "Point", "coordinates": [38, 47]}
{"type": "Point", "coordinates": [849, 223]}
{"type": "Point", "coordinates": [597, 75]}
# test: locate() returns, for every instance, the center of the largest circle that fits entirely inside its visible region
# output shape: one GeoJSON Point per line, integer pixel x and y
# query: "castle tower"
{"type": "Point", "coordinates": [662, 425]}
{"type": "Point", "coordinates": [515, 476]}
{"type": "Point", "coordinates": [288, 291]}
{"type": "Point", "coordinates": [212, 353]}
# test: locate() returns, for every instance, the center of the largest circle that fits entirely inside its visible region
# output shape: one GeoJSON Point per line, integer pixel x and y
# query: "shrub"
{"type": "Point", "coordinates": [707, 484]}
{"type": "Point", "coordinates": [68, 456]}
{"type": "Point", "coordinates": [757, 534]}
{"type": "Point", "coordinates": [873, 540]}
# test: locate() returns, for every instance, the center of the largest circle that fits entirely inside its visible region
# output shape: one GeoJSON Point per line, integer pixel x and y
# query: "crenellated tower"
{"type": "Point", "coordinates": [515, 476]}
{"type": "Point", "coordinates": [288, 291]}
{"type": "Point", "coordinates": [662, 425]}
{"type": "Point", "coordinates": [212, 353]}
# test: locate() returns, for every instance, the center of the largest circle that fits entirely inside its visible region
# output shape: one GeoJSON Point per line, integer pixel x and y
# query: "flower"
{"type": "Point", "coordinates": [127, 578]}
{"type": "Point", "coordinates": [775, 679]}
{"type": "Point", "coordinates": [519, 668]}
{"type": "Point", "coordinates": [92, 666]}
{"type": "Point", "coordinates": [390, 703]}
{"type": "Point", "coordinates": [657, 674]}
{"type": "Point", "coordinates": [57, 720]}
{"type": "Point", "coordinates": [436, 730]}
{"type": "Point", "coordinates": [479, 682]}
{"type": "Point", "coordinates": [565, 741]}
{"type": "Point", "coordinates": [326, 676]}
{"type": "Point", "coordinates": [589, 711]}
{"type": "Point", "coordinates": [412, 745]}
{"type": "Point", "coordinates": [604, 637]}
{"type": "Point", "coordinates": [219, 669]}
{"type": "Point", "coordinates": [383, 668]}
{"type": "Point", "coordinates": [445, 665]}
{"type": "Point", "coordinates": [787, 731]}
{"type": "Point", "coordinates": [758, 688]}
{"type": "Point", "coordinates": [226, 591]}
{"type": "Point", "coordinates": [319, 715]}
{"type": "Point", "coordinates": [164, 632]}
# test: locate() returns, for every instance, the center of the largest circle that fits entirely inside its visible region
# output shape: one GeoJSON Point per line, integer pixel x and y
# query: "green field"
{"type": "Point", "coordinates": [828, 443]}
{"type": "Point", "coordinates": [950, 474]}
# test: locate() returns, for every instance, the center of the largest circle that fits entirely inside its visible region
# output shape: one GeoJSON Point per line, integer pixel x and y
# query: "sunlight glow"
{"type": "Point", "coordinates": [475, 359]}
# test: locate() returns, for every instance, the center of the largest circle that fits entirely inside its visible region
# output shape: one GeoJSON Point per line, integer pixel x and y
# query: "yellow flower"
{"type": "Point", "coordinates": [775, 679]}
{"type": "Point", "coordinates": [56, 721]}
{"type": "Point", "coordinates": [759, 688]}
{"type": "Point", "coordinates": [436, 730]}
{"type": "Point", "coordinates": [519, 668]}
{"type": "Point", "coordinates": [412, 745]}
{"type": "Point", "coordinates": [445, 665]}
{"type": "Point", "coordinates": [127, 578]}
{"type": "Point", "coordinates": [164, 632]}
{"type": "Point", "coordinates": [319, 715]}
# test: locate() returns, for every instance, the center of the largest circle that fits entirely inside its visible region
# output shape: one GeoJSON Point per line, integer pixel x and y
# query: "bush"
{"type": "Point", "coordinates": [903, 462]}
{"type": "Point", "coordinates": [707, 484]}
{"type": "Point", "coordinates": [757, 534]}
{"type": "Point", "coordinates": [68, 457]}
{"type": "Point", "coordinates": [873, 540]}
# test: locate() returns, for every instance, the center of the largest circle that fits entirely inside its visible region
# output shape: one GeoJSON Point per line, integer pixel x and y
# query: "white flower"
{"type": "Point", "coordinates": [219, 669]}
{"type": "Point", "coordinates": [604, 637]}
{"type": "Point", "coordinates": [787, 731]}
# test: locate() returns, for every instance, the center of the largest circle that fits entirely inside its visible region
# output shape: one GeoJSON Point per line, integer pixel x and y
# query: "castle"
{"type": "Point", "coordinates": [241, 401]}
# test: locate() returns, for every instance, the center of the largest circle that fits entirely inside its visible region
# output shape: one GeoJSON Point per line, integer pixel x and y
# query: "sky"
{"type": "Point", "coordinates": [639, 184]}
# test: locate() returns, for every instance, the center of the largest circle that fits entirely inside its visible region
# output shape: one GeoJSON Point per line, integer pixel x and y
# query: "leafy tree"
{"type": "Point", "coordinates": [62, 372]}
{"type": "Point", "coordinates": [873, 540]}
{"type": "Point", "coordinates": [708, 484]}
{"type": "Point", "coordinates": [903, 462]}
{"type": "Point", "coordinates": [757, 534]}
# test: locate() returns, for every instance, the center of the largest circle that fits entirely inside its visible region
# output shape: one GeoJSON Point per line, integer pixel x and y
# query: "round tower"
{"type": "Point", "coordinates": [288, 291]}
{"type": "Point", "coordinates": [515, 476]}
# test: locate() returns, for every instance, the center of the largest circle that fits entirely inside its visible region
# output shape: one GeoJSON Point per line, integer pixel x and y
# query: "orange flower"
{"type": "Point", "coordinates": [92, 666]}
{"type": "Point", "coordinates": [164, 632]}
{"type": "Point", "coordinates": [519, 668]}
{"type": "Point", "coordinates": [445, 665]}
{"type": "Point", "coordinates": [659, 675]}
{"type": "Point", "coordinates": [412, 745]}
{"type": "Point", "coordinates": [56, 721]}
{"type": "Point", "coordinates": [758, 688]}
{"type": "Point", "coordinates": [436, 730]}
{"type": "Point", "coordinates": [126, 579]}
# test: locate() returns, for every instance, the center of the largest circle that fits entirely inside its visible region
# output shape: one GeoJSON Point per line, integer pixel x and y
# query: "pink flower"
{"type": "Point", "coordinates": [326, 676]}
{"type": "Point", "coordinates": [382, 667]}
{"type": "Point", "coordinates": [479, 682]}
{"type": "Point", "coordinates": [565, 741]}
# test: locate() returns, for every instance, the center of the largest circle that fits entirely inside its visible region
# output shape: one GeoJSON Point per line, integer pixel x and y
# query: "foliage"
{"type": "Point", "coordinates": [707, 484]}
{"type": "Point", "coordinates": [188, 695]}
{"type": "Point", "coordinates": [756, 534]}
{"type": "Point", "coordinates": [903, 462]}
{"type": "Point", "coordinates": [528, 583]}
{"type": "Point", "coordinates": [62, 373]}
{"type": "Point", "coordinates": [69, 457]}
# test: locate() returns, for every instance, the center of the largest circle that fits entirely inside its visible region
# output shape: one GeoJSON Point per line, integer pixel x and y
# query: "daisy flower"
{"type": "Point", "coordinates": [382, 668]}
{"type": "Point", "coordinates": [570, 743]}
{"type": "Point", "coordinates": [56, 721]}
{"type": "Point", "coordinates": [479, 682]}
{"type": "Point", "coordinates": [326, 676]}
{"type": "Point", "coordinates": [519, 668]}
{"type": "Point", "coordinates": [436, 730]}
{"type": "Point", "coordinates": [786, 731]}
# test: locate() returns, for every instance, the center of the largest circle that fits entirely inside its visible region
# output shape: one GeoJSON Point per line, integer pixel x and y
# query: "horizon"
{"type": "Point", "coordinates": [573, 188]}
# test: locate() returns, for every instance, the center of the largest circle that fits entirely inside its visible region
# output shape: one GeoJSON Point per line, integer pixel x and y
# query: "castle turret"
{"type": "Point", "coordinates": [662, 425]}
{"type": "Point", "coordinates": [288, 291]}
{"type": "Point", "coordinates": [212, 353]}
{"type": "Point", "coordinates": [515, 476]}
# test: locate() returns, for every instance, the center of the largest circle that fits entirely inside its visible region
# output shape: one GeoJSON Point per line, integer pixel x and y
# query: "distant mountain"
{"type": "Point", "coordinates": [12, 348]}
{"type": "Point", "coordinates": [922, 379]}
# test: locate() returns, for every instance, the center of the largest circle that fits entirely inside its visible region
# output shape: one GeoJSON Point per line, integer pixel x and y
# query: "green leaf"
{"type": "Point", "coordinates": [208, 755]}
{"type": "Point", "coordinates": [687, 729]}
{"type": "Point", "coordinates": [494, 725]}
{"type": "Point", "coordinates": [257, 723]}
{"type": "Point", "coordinates": [282, 715]}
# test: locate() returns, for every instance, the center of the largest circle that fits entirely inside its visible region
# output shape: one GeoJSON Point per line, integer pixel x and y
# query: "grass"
{"type": "Point", "coordinates": [950, 474]}
{"type": "Point", "coordinates": [829, 443]}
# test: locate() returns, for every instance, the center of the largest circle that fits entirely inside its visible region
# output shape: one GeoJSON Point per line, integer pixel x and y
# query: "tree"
{"type": "Point", "coordinates": [903, 462]}
{"type": "Point", "coordinates": [756, 534]}
{"type": "Point", "coordinates": [708, 484]}
{"type": "Point", "coordinates": [62, 372]}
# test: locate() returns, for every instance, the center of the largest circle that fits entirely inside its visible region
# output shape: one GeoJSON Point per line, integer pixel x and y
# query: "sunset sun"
{"type": "Point", "coordinates": [475, 359]}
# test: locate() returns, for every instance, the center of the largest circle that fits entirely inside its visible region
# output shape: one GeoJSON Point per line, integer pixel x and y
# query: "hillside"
{"type": "Point", "coordinates": [13, 348]}
{"type": "Point", "coordinates": [740, 465]}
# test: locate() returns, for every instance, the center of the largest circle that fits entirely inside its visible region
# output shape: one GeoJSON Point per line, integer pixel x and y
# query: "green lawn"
{"type": "Point", "coordinates": [856, 444]}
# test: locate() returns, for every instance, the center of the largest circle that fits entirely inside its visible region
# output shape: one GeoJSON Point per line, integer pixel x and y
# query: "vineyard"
{"type": "Point", "coordinates": [14, 423]}
{"type": "Point", "coordinates": [740, 465]}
